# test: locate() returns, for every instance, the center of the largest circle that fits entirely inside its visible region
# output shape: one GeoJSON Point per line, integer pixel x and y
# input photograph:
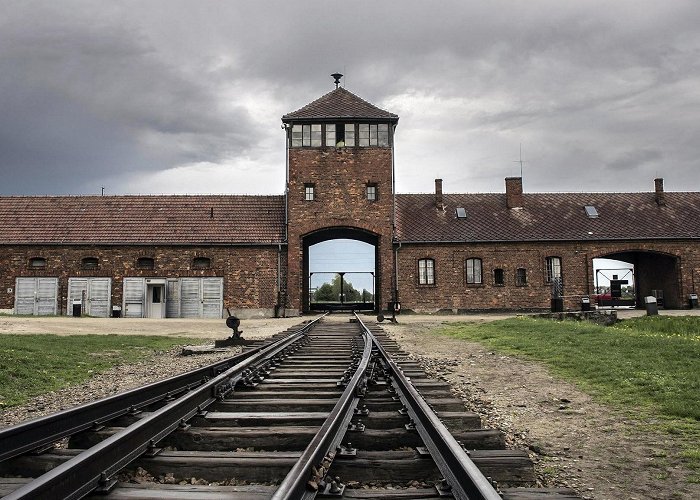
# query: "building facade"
{"type": "Point", "coordinates": [205, 256]}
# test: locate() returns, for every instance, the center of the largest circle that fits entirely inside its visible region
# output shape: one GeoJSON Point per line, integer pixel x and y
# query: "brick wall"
{"type": "Point", "coordinates": [340, 177]}
{"type": "Point", "coordinates": [250, 273]}
{"type": "Point", "coordinates": [452, 292]}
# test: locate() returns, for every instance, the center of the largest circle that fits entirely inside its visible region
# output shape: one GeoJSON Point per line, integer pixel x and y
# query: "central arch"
{"type": "Point", "coordinates": [336, 233]}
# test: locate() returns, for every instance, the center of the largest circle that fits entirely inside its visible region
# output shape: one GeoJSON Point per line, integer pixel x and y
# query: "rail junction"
{"type": "Point", "coordinates": [327, 409]}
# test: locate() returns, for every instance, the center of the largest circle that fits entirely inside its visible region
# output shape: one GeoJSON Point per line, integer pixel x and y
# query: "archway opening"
{"type": "Point", "coordinates": [647, 274]}
{"type": "Point", "coordinates": [340, 271]}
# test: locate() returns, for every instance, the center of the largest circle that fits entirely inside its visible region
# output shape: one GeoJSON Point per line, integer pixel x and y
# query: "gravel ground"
{"type": "Point", "coordinates": [574, 441]}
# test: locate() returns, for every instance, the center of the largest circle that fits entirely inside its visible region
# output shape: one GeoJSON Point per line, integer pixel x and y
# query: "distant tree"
{"type": "Point", "coordinates": [325, 293]}
{"type": "Point", "coordinates": [330, 292]}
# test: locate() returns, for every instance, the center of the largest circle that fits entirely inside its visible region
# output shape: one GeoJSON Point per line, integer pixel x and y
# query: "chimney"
{"type": "Point", "coordinates": [438, 195]}
{"type": "Point", "coordinates": [659, 191]}
{"type": "Point", "coordinates": [514, 192]}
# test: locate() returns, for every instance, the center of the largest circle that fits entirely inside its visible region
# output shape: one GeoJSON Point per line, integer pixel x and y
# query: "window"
{"type": "Point", "coordinates": [426, 271]}
{"type": "Point", "coordinates": [461, 212]}
{"type": "Point", "coordinates": [306, 135]}
{"type": "Point", "coordinates": [201, 263]}
{"type": "Point", "coordinates": [37, 263]}
{"type": "Point", "coordinates": [331, 139]}
{"type": "Point", "coordinates": [498, 277]}
{"type": "Point", "coordinates": [145, 263]}
{"type": "Point", "coordinates": [591, 212]}
{"type": "Point", "coordinates": [90, 263]}
{"type": "Point", "coordinates": [373, 134]}
{"type": "Point", "coordinates": [309, 192]}
{"type": "Point", "coordinates": [474, 271]}
{"type": "Point", "coordinates": [553, 266]}
{"type": "Point", "coordinates": [350, 134]}
{"type": "Point", "coordinates": [521, 276]}
{"type": "Point", "coordinates": [372, 192]}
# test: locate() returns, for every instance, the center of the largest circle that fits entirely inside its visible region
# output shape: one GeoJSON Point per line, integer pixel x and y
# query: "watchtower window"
{"type": "Point", "coordinates": [306, 135]}
{"type": "Point", "coordinates": [372, 192]}
{"type": "Point", "coordinates": [331, 139]}
{"type": "Point", "coordinates": [373, 134]}
{"type": "Point", "coordinates": [350, 134]}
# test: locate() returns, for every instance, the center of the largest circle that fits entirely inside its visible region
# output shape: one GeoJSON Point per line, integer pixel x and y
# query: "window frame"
{"type": "Point", "coordinates": [89, 263]}
{"type": "Point", "coordinates": [551, 263]}
{"type": "Point", "coordinates": [201, 263]}
{"type": "Point", "coordinates": [470, 264]}
{"type": "Point", "coordinates": [145, 263]}
{"type": "Point", "coordinates": [518, 280]}
{"type": "Point", "coordinates": [37, 263]}
{"type": "Point", "coordinates": [309, 191]}
{"type": "Point", "coordinates": [426, 271]}
{"type": "Point", "coordinates": [502, 273]}
{"type": "Point", "coordinates": [371, 187]}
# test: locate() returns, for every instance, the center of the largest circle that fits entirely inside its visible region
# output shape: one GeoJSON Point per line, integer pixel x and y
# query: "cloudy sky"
{"type": "Point", "coordinates": [186, 96]}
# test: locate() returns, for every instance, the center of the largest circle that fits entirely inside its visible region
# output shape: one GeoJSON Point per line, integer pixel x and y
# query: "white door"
{"type": "Point", "coordinates": [201, 297]}
{"type": "Point", "coordinates": [99, 297]}
{"type": "Point", "coordinates": [155, 300]}
{"type": "Point", "coordinates": [190, 297]}
{"type": "Point", "coordinates": [36, 296]}
{"type": "Point", "coordinates": [134, 297]}
{"type": "Point", "coordinates": [212, 297]}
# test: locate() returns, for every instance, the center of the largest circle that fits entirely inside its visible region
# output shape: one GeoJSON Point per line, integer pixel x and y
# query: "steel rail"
{"type": "Point", "coordinates": [95, 467]}
{"type": "Point", "coordinates": [323, 445]}
{"type": "Point", "coordinates": [462, 475]}
{"type": "Point", "coordinates": [44, 431]}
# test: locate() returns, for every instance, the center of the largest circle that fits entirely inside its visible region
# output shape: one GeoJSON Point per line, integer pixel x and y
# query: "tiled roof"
{"type": "Point", "coordinates": [339, 103]}
{"type": "Point", "coordinates": [171, 219]}
{"type": "Point", "coordinates": [555, 216]}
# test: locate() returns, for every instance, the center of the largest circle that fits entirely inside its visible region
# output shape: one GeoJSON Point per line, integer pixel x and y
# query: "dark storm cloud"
{"type": "Point", "coordinates": [601, 95]}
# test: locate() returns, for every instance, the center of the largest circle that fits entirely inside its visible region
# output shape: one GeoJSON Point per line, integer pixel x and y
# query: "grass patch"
{"type": "Point", "coordinates": [648, 366]}
{"type": "Point", "coordinates": [36, 364]}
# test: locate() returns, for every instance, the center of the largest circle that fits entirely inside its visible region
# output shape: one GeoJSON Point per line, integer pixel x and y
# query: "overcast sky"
{"type": "Point", "coordinates": [186, 97]}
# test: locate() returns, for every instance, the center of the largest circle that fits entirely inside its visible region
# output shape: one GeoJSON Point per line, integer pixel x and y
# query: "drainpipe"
{"type": "Point", "coordinates": [396, 273]}
{"type": "Point", "coordinates": [393, 217]}
{"type": "Point", "coordinates": [285, 126]}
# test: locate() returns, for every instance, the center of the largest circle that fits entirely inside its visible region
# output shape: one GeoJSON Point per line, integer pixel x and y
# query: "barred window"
{"type": "Point", "coordinates": [426, 271]}
{"type": "Point", "coordinates": [498, 277]}
{"type": "Point", "coordinates": [201, 263]}
{"type": "Point", "coordinates": [145, 263]}
{"type": "Point", "coordinates": [553, 268]}
{"type": "Point", "coordinates": [37, 262]}
{"type": "Point", "coordinates": [474, 271]}
{"type": "Point", "coordinates": [521, 276]}
{"type": "Point", "coordinates": [90, 263]}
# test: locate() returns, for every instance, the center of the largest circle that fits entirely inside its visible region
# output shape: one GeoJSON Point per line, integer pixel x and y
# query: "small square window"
{"type": "Point", "coordinates": [591, 211]}
{"type": "Point", "coordinates": [309, 192]}
{"type": "Point", "coordinates": [37, 263]}
{"type": "Point", "coordinates": [372, 192]}
{"type": "Point", "coordinates": [461, 212]}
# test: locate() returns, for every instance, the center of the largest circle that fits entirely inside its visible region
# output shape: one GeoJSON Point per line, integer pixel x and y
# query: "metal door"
{"type": "Point", "coordinates": [172, 298]}
{"type": "Point", "coordinates": [134, 297]}
{"type": "Point", "coordinates": [190, 297]}
{"type": "Point", "coordinates": [212, 297]}
{"type": "Point", "coordinates": [36, 296]}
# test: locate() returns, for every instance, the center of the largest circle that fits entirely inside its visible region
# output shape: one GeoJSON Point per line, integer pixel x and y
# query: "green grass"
{"type": "Point", "coordinates": [36, 364]}
{"type": "Point", "coordinates": [647, 366]}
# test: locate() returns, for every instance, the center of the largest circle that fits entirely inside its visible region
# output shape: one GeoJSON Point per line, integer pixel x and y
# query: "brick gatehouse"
{"type": "Point", "coordinates": [196, 256]}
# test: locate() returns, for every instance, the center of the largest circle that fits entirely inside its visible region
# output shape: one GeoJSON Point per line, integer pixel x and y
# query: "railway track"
{"type": "Point", "coordinates": [328, 409]}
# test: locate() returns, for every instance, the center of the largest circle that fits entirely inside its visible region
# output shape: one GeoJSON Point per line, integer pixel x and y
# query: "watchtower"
{"type": "Point", "coordinates": [339, 184]}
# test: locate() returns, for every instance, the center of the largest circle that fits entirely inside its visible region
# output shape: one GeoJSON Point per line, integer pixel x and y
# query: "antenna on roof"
{"type": "Point", "coordinates": [521, 161]}
{"type": "Point", "coordinates": [337, 77]}
{"type": "Point", "coordinates": [103, 190]}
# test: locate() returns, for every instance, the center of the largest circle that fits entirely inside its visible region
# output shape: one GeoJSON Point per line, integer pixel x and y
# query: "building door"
{"type": "Point", "coordinates": [96, 293]}
{"type": "Point", "coordinates": [201, 297]}
{"type": "Point", "coordinates": [134, 297]}
{"type": "Point", "coordinates": [36, 296]}
{"type": "Point", "coordinates": [172, 298]}
{"type": "Point", "coordinates": [155, 300]}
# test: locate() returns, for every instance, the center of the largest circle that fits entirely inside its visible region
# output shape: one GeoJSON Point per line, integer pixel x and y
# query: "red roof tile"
{"type": "Point", "coordinates": [339, 104]}
{"type": "Point", "coordinates": [555, 216]}
{"type": "Point", "coordinates": [135, 220]}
